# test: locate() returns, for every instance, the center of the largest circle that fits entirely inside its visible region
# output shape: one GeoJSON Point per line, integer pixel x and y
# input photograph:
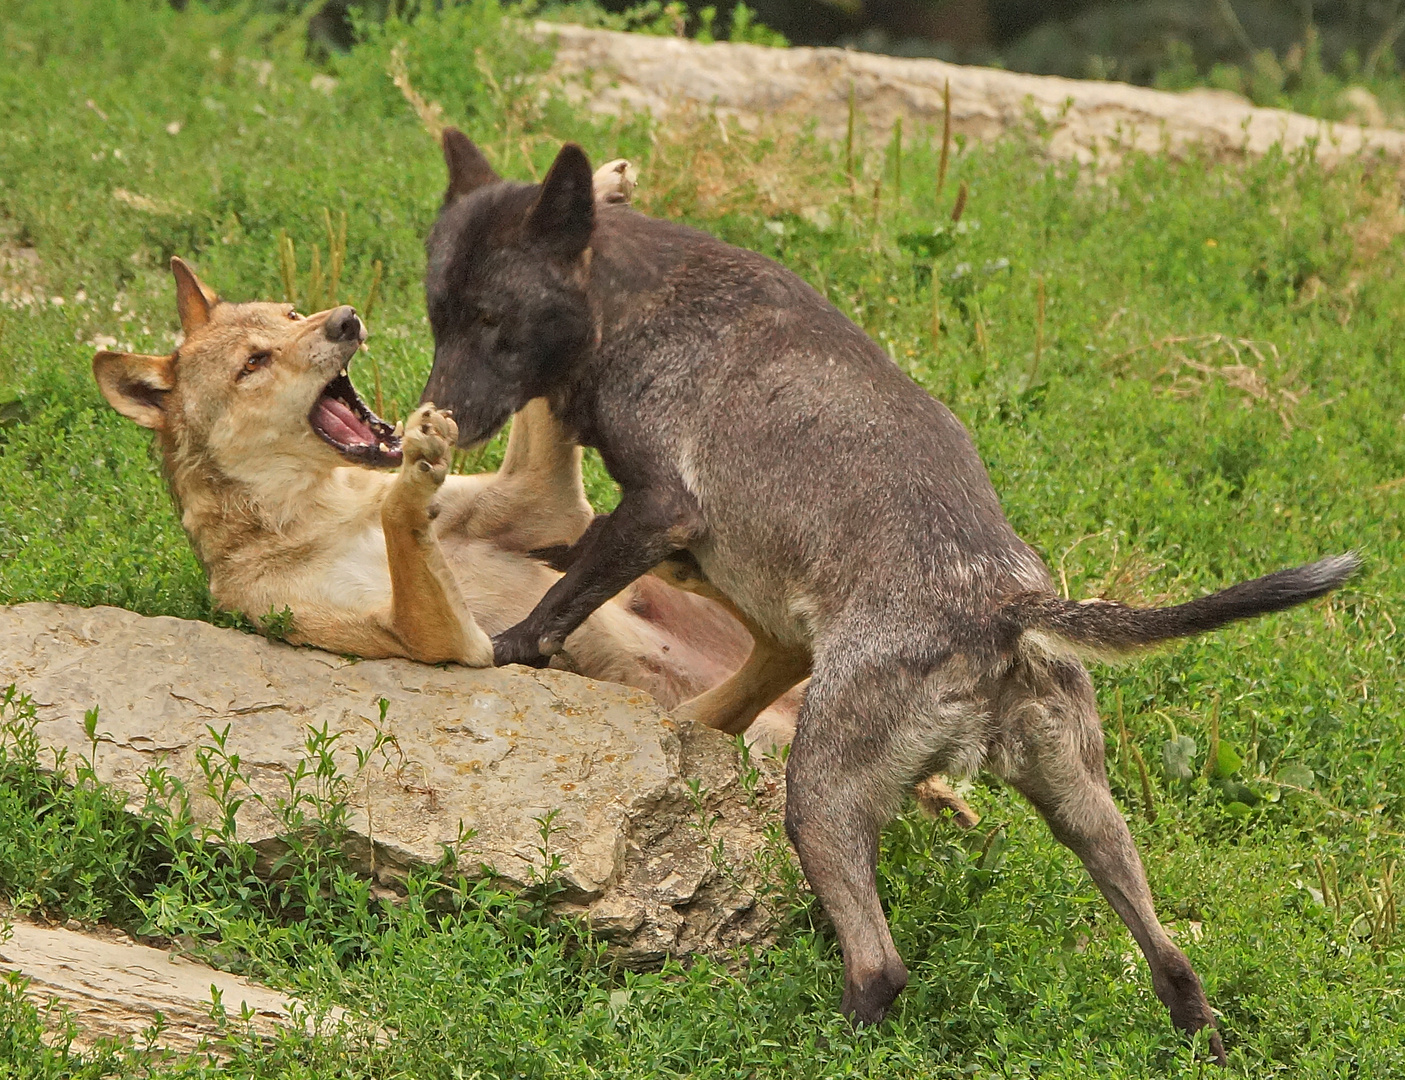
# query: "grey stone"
{"type": "Point", "coordinates": [657, 868]}
{"type": "Point", "coordinates": [113, 988]}
{"type": "Point", "coordinates": [615, 72]}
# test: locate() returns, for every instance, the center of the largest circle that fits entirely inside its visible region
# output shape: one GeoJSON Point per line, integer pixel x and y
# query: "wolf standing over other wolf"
{"type": "Point", "coordinates": [280, 474]}
{"type": "Point", "coordinates": [839, 506]}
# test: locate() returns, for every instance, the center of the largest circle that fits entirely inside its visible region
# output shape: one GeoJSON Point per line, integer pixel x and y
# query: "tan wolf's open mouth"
{"type": "Point", "coordinates": [351, 428]}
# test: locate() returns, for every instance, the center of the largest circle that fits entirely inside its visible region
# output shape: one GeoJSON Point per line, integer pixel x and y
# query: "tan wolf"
{"type": "Point", "coordinates": [278, 470]}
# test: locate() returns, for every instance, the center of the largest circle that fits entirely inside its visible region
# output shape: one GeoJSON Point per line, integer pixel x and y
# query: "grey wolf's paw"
{"type": "Point", "coordinates": [513, 646]}
{"type": "Point", "coordinates": [614, 181]}
{"type": "Point", "coordinates": [427, 446]}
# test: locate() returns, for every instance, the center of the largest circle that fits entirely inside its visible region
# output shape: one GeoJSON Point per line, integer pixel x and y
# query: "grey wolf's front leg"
{"type": "Point", "coordinates": [644, 529]}
{"type": "Point", "coordinates": [427, 612]}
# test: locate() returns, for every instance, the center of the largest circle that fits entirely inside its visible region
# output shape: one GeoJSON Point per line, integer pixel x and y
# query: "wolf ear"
{"type": "Point", "coordinates": [194, 299]}
{"type": "Point", "coordinates": [468, 168]}
{"type": "Point", "coordinates": [564, 214]}
{"type": "Point", "coordinates": [135, 385]}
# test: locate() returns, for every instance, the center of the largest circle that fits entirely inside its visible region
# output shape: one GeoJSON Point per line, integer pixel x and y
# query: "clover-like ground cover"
{"type": "Point", "coordinates": [1180, 374]}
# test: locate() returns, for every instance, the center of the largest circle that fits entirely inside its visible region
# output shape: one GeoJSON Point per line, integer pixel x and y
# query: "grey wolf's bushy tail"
{"type": "Point", "coordinates": [1106, 628]}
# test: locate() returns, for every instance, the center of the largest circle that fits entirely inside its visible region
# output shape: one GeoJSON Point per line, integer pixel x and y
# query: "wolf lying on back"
{"type": "Point", "coordinates": [275, 465]}
{"type": "Point", "coordinates": [837, 504]}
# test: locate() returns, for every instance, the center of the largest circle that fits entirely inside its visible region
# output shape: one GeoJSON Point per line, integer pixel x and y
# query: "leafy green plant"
{"type": "Point", "coordinates": [664, 19]}
{"type": "Point", "coordinates": [277, 625]}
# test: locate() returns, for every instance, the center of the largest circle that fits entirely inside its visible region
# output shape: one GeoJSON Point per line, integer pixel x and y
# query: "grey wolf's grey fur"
{"type": "Point", "coordinates": [841, 508]}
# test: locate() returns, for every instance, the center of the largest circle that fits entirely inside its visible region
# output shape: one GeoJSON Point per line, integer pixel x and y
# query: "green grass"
{"type": "Point", "coordinates": [1126, 444]}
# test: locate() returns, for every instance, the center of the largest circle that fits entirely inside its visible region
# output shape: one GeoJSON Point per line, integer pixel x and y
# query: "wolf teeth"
{"type": "Point", "coordinates": [384, 449]}
{"type": "Point", "coordinates": [399, 428]}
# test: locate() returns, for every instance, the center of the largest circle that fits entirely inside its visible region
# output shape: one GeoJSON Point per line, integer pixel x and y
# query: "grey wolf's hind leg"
{"type": "Point", "coordinates": [1063, 775]}
{"type": "Point", "coordinates": [841, 789]}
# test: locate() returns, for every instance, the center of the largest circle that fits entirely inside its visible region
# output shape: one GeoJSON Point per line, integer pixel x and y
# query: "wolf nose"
{"type": "Point", "coordinates": [343, 325]}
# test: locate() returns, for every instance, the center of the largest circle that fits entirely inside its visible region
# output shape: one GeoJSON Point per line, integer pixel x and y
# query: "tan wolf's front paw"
{"type": "Point", "coordinates": [428, 446]}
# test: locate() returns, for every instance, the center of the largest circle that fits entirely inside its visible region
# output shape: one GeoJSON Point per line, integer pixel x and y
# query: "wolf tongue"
{"type": "Point", "coordinates": [343, 425]}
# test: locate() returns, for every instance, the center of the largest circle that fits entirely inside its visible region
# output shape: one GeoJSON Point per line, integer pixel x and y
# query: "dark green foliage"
{"type": "Point", "coordinates": [1214, 390]}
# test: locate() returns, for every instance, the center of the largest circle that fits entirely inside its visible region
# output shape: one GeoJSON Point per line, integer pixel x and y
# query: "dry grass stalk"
{"type": "Point", "coordinates": [960, 206]}
{"type": "Point", "coordinates": [145, 204]}
{"type": "Point", "coordinates": [288, 267]}
{"type": "Point", "coordinates": [1190, 374]}
{"type": "Point", "coordinates": [431, 113]}
{"type": "Point", "coordinates": [1129, 750]}
{"type": "Point", "coordinates": [946, 138]}
{"type": "Point", "coordinates": [936, 312]}
{"type": "Point", "coordinates": [849, 141]}
{"type": "Point", "coordinates": [694, 169]}
{"type": "Point", "coordinates": [898, 163]}
{"type": "Point", "coordinates": [336, 248]}
{"type": "Point", "coordinates": [1124, 580]}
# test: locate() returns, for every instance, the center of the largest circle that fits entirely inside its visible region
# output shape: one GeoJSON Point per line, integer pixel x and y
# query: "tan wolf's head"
{"type": "Point", "coordinates": [257, 395]}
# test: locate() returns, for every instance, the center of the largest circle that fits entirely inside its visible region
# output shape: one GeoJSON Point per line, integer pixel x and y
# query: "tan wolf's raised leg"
{"type": "Point", "coordinates": [614, 182]}
{"type": "Point", "coordinates": [427, 613]}
{"type": "Point", "coordinates": [537, 499]}
{"type": "Point", "coordinates": [769, 671]}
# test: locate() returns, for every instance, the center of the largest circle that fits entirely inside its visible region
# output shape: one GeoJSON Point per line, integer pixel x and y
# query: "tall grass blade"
{"type": "Point", "coordinates": [945, 159]}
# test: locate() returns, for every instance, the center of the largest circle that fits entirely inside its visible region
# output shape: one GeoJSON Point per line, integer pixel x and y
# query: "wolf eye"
{"type": "Point", "coordinates": [487, 318]}
{"type": "Point", "coordinates": [254, 363]}
{"type": "Point", "coordinates": [294, 316]}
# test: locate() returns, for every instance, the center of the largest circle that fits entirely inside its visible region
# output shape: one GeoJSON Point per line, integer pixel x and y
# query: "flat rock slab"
{"type": "Point", "coordinates": [113, 988]}
{"type": "Point", "coordinates": [615, 72]}
{"type": "Point", "coordinates": [657, 866]}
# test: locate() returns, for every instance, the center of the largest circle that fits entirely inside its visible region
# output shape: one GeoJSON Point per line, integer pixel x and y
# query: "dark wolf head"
{"type": "Point", "coordinates": [505, 285]}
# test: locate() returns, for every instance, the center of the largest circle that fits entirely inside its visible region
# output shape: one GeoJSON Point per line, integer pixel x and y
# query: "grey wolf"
{"type": "Point", "coordinates": [839, 507]}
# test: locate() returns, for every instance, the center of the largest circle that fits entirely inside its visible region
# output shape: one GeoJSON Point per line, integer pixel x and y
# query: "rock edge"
{"type": "Point", "coordinates": [656, 830]}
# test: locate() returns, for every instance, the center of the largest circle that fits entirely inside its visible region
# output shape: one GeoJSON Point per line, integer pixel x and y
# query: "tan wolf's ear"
{"type": "Point", "coordinates": [135, 385]}
{"type": "Point", "coordinates": [194, 299]}
{"type": "Point", "coordinates": [468, 168]}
